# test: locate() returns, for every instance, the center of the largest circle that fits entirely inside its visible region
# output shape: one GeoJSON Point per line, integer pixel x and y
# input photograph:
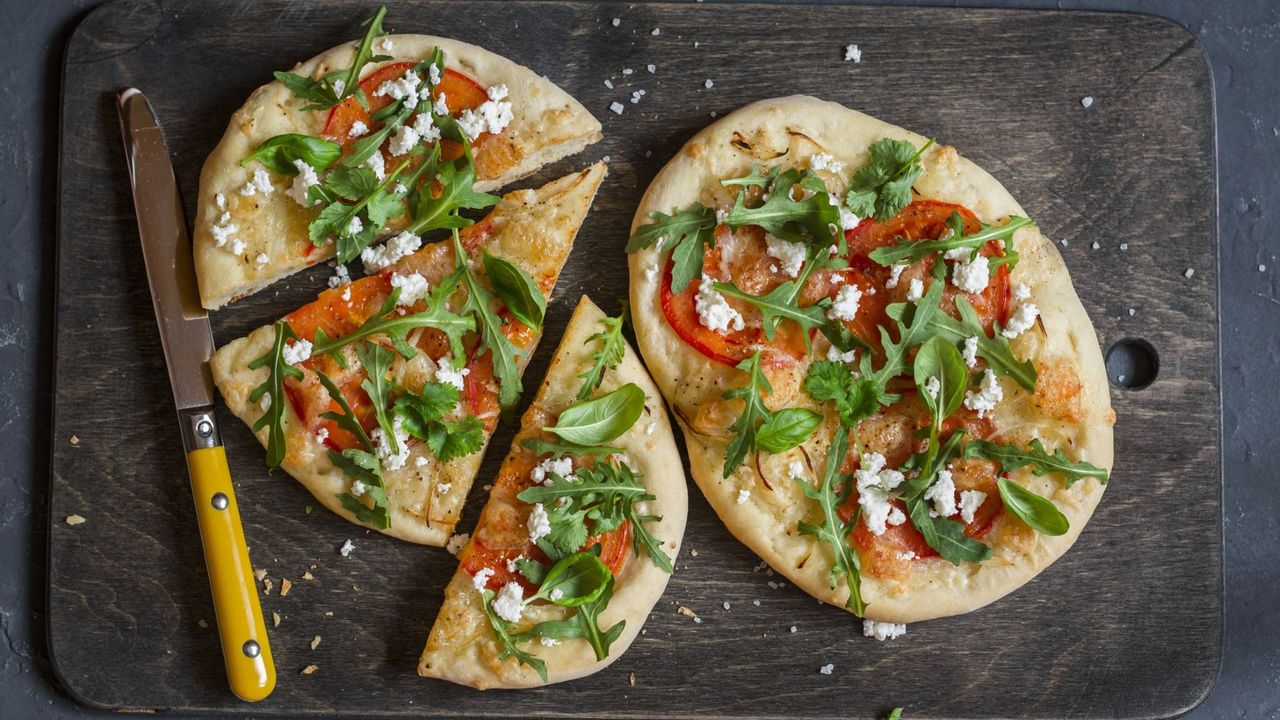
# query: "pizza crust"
{"type": "Point", "coordinates": [789, 130]}
{"type": "Point", "coordinates": [549, 124]}
{"type": "Point", "coordinates": [535, 230]}
{"type": "Point", "coordinates": [461, 647]}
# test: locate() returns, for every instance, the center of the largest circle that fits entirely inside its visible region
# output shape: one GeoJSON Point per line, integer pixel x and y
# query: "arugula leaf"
{"type": "Point", "coordinates": [437, 203]}
{"type": "Point", "coordinates": [273, 387]}
{"type": "Point", "coordinates": [331, 88]}
{"type": "Point", "coordinates": [560, 448]}
{"type": "Point", "coordinates": [613, 348]}
{"type": "Point", "coordinates": [778, 305]}
{"type": "Point", "coordinates": [894, 714]}
{"type": "Point", "coordinates": [758, 427]}
{"type": "Point", "coordinates": [938, 361]}
{"type": "Point", "coordinates": [377, 360]}
{"type": "Point", "coordinates": [346, 419]}
{"type": "Point", "coordinates": [689, 231]}
{"type": "Point", "coordinates": [786, 429]}
{"type": "Point", "coordinates": [909, 252]}
{"type": "Point", "coordinates": [575, 580]}
{"type": "Point", "coordinates": [604, 494]}
{"type": "Point", "coordinates": [516, 290]}
{"type": "Point", "coordinates": [585, 624]}
{"type": "Point", "coordinates": [945, 536]}
{"type": "Point", "coordinates": [754, 178]}
{"type": "Point", "coordinates": [507, 643]}
{"type": "Point", "coordinates": [493, 340]}
{"type": "Point", "coordinates": [363, 467]}
{"type": "Point", "coordinates": [279, 152]}
{"type": "Point", "coordinates": [995, 350]}
{"type": "Point", "coordinates": [808, 219]}
{"type": "Point", "coordinates": [599, 420]}
{"type": "Point", "coordinates": [1037, 512]}
{"type": "Point", "coordinates": [1040, 461]}
{"type": "Point", "coordinates": [882, 187]}
{"type": "Point", "coordinates": [830, 496]}
{"type": "Point", "coordinates": [396, 327]}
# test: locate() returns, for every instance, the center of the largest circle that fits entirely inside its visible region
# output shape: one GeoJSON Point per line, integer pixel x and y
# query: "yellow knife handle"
{"type": "Point", "coordinates": [245, 647]}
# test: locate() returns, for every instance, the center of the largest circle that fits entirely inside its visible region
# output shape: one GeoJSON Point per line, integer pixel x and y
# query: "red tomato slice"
{"type": "Point", "coordinates": [461, 93]}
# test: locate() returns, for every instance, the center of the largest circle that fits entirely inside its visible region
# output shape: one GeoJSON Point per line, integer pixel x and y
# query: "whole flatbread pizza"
{"type": "Point", "coordinates": [581, 530]}
{"type": "Point", "coordinates": [888, 386]}
{"type": "Point", "coordinates": [366, 141]}
{"type": "Point", "coordinates": [381, 395]}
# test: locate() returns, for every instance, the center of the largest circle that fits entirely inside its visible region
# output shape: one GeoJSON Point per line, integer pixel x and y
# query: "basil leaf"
{"type": "Point", "coordinates": [1037, 512]}
{"type": "Point", "coordinates": [597, 421]}
{"type": "Point", "coordinates": [279, 152]}
{"type": "Point", "coordinates": [516, 290]}
{"type": "Point", "coordinates": [575, 580]}
{"type": "Point", "coordinates": [940, 362]}
{"type": "Point", "coordinates": [1040, 461]}
{"type": "Point", "coordinates": [786, 429]}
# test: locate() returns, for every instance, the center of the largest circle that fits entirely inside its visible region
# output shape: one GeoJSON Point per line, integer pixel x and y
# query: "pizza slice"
{"type": "Point", "coordinates": [368, 141]}
{"type": "Point", "coordinates": [581, 531]}
{"type": "Point", "coordinates": [380, 396]}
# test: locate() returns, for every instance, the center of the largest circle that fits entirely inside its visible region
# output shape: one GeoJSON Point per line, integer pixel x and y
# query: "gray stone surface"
{"type": "Point", "coordinates": [1242, 39]}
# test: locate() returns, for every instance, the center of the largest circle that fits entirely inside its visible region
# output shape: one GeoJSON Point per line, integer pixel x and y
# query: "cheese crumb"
{"type": "Point", "coordinates": [302, 182]}
{"type": "Point", "coordinates": [943, 494]}
{"type": "Point", "coordinates": [480, 581]}
{"type": "Point", "coordinates": [617, 22]}
{"type": "Point", "coordinates": [714, 312]}
{"type": "Point", "coordinates": [538, 523]}
{"type": "Point", "coordinates": [390, 252]}
{"type": "Point", "coordinates": [970, 501]}
{"type": "Point", "coordinates": [970, 351]}
{"type": "Point", "coordinates": [984, 400]}
{"type": "Point", "coordinates": [852, 53]}
{"type": "Point", "coordinates": [322, 435]}
{"type": "Point", "coordinates": [403, 140]}
{"type": "Point", "coordinates": [895, 273]}
{"type": "Point", "coordinates": [915, 291]}
{"type": "Point", "coordinates": [446, 373]}
{"type": "Point", "coordinates": [791, 254]}
{"type": "Point", "coordinates": [1086, 101]}
{"type": "Point", "coordinates": [743, 494]}
{"type": "Point", "coordinates": [552, 466]}
{"type": "Point", "coordinates": [845, 305]}
{"type": "Point", "coordinates": [378, 165]}
{"type": "Point", "coordinates": [403, 88]}
{"type": "Point", "coordinates": [259, 183]}
{"type": "Point", "coordinates": [340, 277]}
{"type": "Point", "coordinates": [970, 275]}
{"type": "Point", "coordinates": [874, 481]}
{"type": "Point", "coordinates": [823, 161]}
{"type": "Point", "coordinates": [358, 128]}
{"type": "Point", "coordinates": [1021, 319]}
{"type": "Point", "coordinates": [346, 548]}
{"type": "Point", "coordinates": [457, 542]}
{"type": "Point", "coordinates": [1189, 272]}
{"type": "Point", "coordinates": [390, 460]}
{"type": "Point", "coordinates": [827, 669]}
{"type": "Point", "coordinates": [412, 288]}
{"type": "Point", "coordinates": [509, 604]}
{"type": "Point", "coordinates": [834, 355]}
{"type": "Point", "coordinates": [883, 630]}
{"type": "Point", "coordinates": [493, 116]}
{"type": "Point", "coordinates": [261, 259]}
{"type": "Point", "coordinates": [297, 351]}
{"type": "Point", "coordinates": [796, 470]}
{"type": "Point", "coordinates": [426, 129]}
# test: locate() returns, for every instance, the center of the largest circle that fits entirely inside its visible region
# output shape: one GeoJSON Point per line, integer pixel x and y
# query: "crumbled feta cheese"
{"type": "Point", "coordinates": [714, 312]}
{"type": "Point", "coordinates": [883, 630]}
{"type": "Point", "coordinates": [322, 435]}
{"type": "Point", "coordinates": [387, 45]}
{"type": "Point", "coordinates": [970, 351]}
{"type": "Point", "coordinates": [441, 105]}
{"type": "Point", "coordinates": [617, 107]}
{"type": "Point", "coordinates": [378, 165]}
{"type": "Point", "coordinates": [635, 96]}
{"type": "Point", "coordinates": [433, 74]}
{"type": "Point", "coordinates": [422, 462]}
{"type": "Point", "coordinates": [236, 247]}
{"type": "Point", "coordinates": [845, 305]}
{"type": "Point", "coordinates": [493, 116]}
{"type": "Point", "coordinates": [377, 258]}
{"type": "Point", "coordinates": [708, 84]}
{"type": "Point", "coordinates": [1124, 246]}
{"type": "Point", "coordinates": [1021, 319]}
{"type": "Point", "coordinates": [441, 488]}
{"type": "Point", "coordinates": [297, 351]}
{"type": "Point", "coordinates": [403, 140]}
{"type": "Point", "coordinates": [358, 128]}
{"type": "Point", "coordinates": [222, 234]}
{"type": "Point", "coordinates": [412, 288]}
{"type": "Point", "coordinates": [874, 481]}
{"type": "Point", "coordinates": [943, 494]}
{"type": "Point", "coordinates": [261, 259]}
{"type": "Point", "coordinates": [792, 254]}
{"type": "Point", "coordinates": [933, 386]}
{"type": "Point", "coordinates": [302, 182]}
{"type": "Point", "coordinates": [220, 200]}
{"type": "Point", "coordinates": [480, 581]}
{"type": "Point", "coordinates": [445, 373]}
{"type": "Point", "coordinates": [743, 494]}
{"type": "Point", "coordinates": [848, 220]}
{"type": "Point", "coordinates": [1021, 292]}
{"type": "Point", "coordinates": [794, 628]}
{"type": "Point", "coordinates": [969, 273]}
{"type": "Point", "coordinates": [457, 542]}
{"type": "Point", "coordinates": [985, 398]}
{"type": "Point", "coordinates": [1095, 245]}
{"type": "Point", "coordinates": [895, 274]}
{"type": "Point", "coordinates": [339, 86]}
{"type": "Point", "coordinates": [426, 129]}
{"type": "Point", "coordinates": [547, 641]}
{"type": "Point", "coordinates": [403, 88]}
{"type": "Point", "coordinates": [651, 272]}
{"type": "Point", "coordinates": [796, 470]}
{"type": "Point", "coordinates": [851, 52]}
{"type": "Point", "coordinates": [265, 402]}
{"type": "Point", "coordinates": [834, 355]}
{"type": "Point", "coordinates": [1132, 312]}
{"type": "Point", "coordinates": [509, 604]}
{"type": "Point", "coordinates": [346, 548]}
{"type": "Point", "coordinates": [906, 556]}
{"type": "Point", "coordinates": [340, 277]}
{"type": "Point", "coordinates": [823, 161]}
{"type": "Point", "coordinates": [827, 669]}
{"type": "Point", "coordinates": [355, 226]}
{"type": "Point", "coordinates": [538, 523]}
{"type": "Point", "coordinates": [970, 501]}
{"type": "Point", "coordinates": [1086, 101]}
{"type": "Point", "coordinates": [915, 290]}
{"type": "Point", "coordinates": [392, 460]}
{"type": "Point", "coordinates": [259, 183]}
{"type": "Point", "coordinates": [552, 466]}
{"type": "Point", "coordinates": [617, 22]}
{"type": "Point", "coordinates": [357, 488]}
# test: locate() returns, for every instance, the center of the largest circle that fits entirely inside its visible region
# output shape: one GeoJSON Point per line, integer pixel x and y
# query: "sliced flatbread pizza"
{"type": "Point", "coordinates": [363, 142]}
{"type": "Point", "coordinates": [581, 531]}
{"type": "Point", "coordinates": [888, 386]}
{"type": "Point", "coordinates": [381, 395]}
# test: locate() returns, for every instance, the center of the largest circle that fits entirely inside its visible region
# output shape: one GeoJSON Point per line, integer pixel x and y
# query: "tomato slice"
{"type": "Point", "coordinates": [460, 93]}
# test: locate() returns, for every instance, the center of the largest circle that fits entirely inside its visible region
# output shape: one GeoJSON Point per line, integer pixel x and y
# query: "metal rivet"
{"type": "Point", "coordinates": [219, 501]}
{"type": "Point", "coordinates": [204, 428]}
{"type": "Point", "coordinates": [252, 649]}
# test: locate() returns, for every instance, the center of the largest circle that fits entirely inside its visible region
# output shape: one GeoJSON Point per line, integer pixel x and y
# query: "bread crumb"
{"type": "Point", "coordinates": [285, 586]}
{"type": "Point", "coordinates": [75, 519]}
{"type": "Point", "coordinates": [631, 679]}
{"type": "Point", "coordinates": [308, 576]}
{"type": "Point", "coordinates": [688, 613]}
{"type": "Point", "coordinates": [693, 553]}
{"type": "Point", "coordinates": [315, 642]}
{"type": "Point", "coordinates": [267, 585]}
{"type": "Point", "coordinates": [202, 623]}
{"type": "Point", "coordinates": [75, 440]}
{"type": "Point", "coordinates": [275, 619]}
{"type": "Point", "coordinates": [310, 669]}
{"type": "Point", "coordinates": [260, 573]}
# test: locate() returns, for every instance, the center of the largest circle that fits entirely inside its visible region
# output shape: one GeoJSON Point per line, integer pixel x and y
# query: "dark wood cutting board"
{"type": "Point", "coordinates": [1128, 624]}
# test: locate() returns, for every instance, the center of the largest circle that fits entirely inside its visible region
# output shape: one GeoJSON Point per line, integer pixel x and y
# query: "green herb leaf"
{"type": "Point", "coordinates": [502, 631]}
{"type": "Point", "coordinates": [451, 439]}
{"type": "Point", "coordinates": [834, 532]}
{"type": "Point", "coordinates": [346, 419]}
{"type": "Point", "coordinates": [454, 180]}
{"type": "Point", "coordinates": [575, 580]}
{"type": "Point", "coordinates": [613, 348]}
{"type": "Point", "coordinates": [882, 187]}
{"type": "Point", "coordinates": [688, 231]}
{"type": "Point", "coordinates": [855, 398]}
{"type": "Point", "coordinates": [1037, 512]}
{"type": "Point", "coordinates": [894, 714]}
{"type": "Point", "coordinates": [363, 467]}
{"type": "Point", "coordinates": [754, 412]}
{"type": "Point", "coordinates": [561, 448]}
{"type": "Point", "coordinates": [599, 420]}
{"type": "Point", "coordinates": [909, 252]}
{"type": "Point", "coordinates": [1041, 462]}
{"type": "Point", "coordinates": [786, 429]}
{"type": "Point", "coordinates": [516, 290]}
{"type": "Point", "coordinates": [428, 405]}
{"type": "Point", "coordinates": [335, 219]}
{"type": "Point", "coordinates": [493, 340]}
{"type": "Point", "coordinates": [279, 153]}
{"type": "Point", "coordinates": [377, 360]}
{"type": "Point", "coordinates": [754, 178]}
{"type": "Point", "coordinates": [389, 322]}
{"type": "Point", "coordinates": [777, 305]}
{"type": "Point", "coordinates": [323, 93]}
{"type": "Point", "coordinates": [995, 350]}
{"type": "Point", "coordinates": [584, 624]}
{"type": "Point", "coordinates": [938, 361]}
{"type": "Point", "coordinates": [273, 387]}
{"type": "Point", "coordinates": [807, 220]}
{"type": "Point", "coordinates": [946, 536]}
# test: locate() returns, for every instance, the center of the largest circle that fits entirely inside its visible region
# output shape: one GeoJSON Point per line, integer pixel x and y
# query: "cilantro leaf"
{"type": "Point", "coordinates": [1037, 458]}
{"type": "Point", "coordinates": [506, 641]}
{"type": "Point", "coordinates": [273, 387]}
{"type": "Point", "coordinates": [833, 531]}
{"type": "Point", "coordinates": [610, 353]}
{"type": "Point", "coordinates": [689, 231]}
{"type": "Point", "coordinates": [855, 398]}
{"type": "Point", "coordinates": [430, 404]}
{"type": "Point", "coordinates": [908, 251]}
{"type": "Point", "coordinates": [451, 439]}
{"type": "Point", "coordinates": [882, 187]}
{"type": "Point", "coordinates": [342, 219]}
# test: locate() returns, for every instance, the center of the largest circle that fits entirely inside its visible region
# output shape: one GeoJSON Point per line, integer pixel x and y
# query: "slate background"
{"type": "Point", "coordinates": [1242, 40]}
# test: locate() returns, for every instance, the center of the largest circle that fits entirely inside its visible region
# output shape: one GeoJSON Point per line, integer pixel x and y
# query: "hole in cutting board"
{"type": "Point", "coordinates": [1132, 363]}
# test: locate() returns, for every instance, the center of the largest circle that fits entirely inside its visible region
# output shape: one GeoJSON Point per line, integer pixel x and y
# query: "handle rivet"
{"type": "Point", "coordinates": [252, 649]}
{"type": "Point", "coordinates": [219, 501]}
{"type": "Point", "coordinates": [204, 428]}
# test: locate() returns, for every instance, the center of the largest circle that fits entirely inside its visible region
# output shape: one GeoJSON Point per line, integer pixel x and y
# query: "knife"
{"type": "Point", "coordinates": [188, 345]}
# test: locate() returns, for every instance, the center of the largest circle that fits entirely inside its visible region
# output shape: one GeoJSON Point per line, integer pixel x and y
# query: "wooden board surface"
{"type": "Point", "coordinates": [1128, 624]}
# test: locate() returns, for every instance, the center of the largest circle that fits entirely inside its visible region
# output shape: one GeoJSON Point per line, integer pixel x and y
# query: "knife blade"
{"type": "Point", "coordinates": [187, 339]}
